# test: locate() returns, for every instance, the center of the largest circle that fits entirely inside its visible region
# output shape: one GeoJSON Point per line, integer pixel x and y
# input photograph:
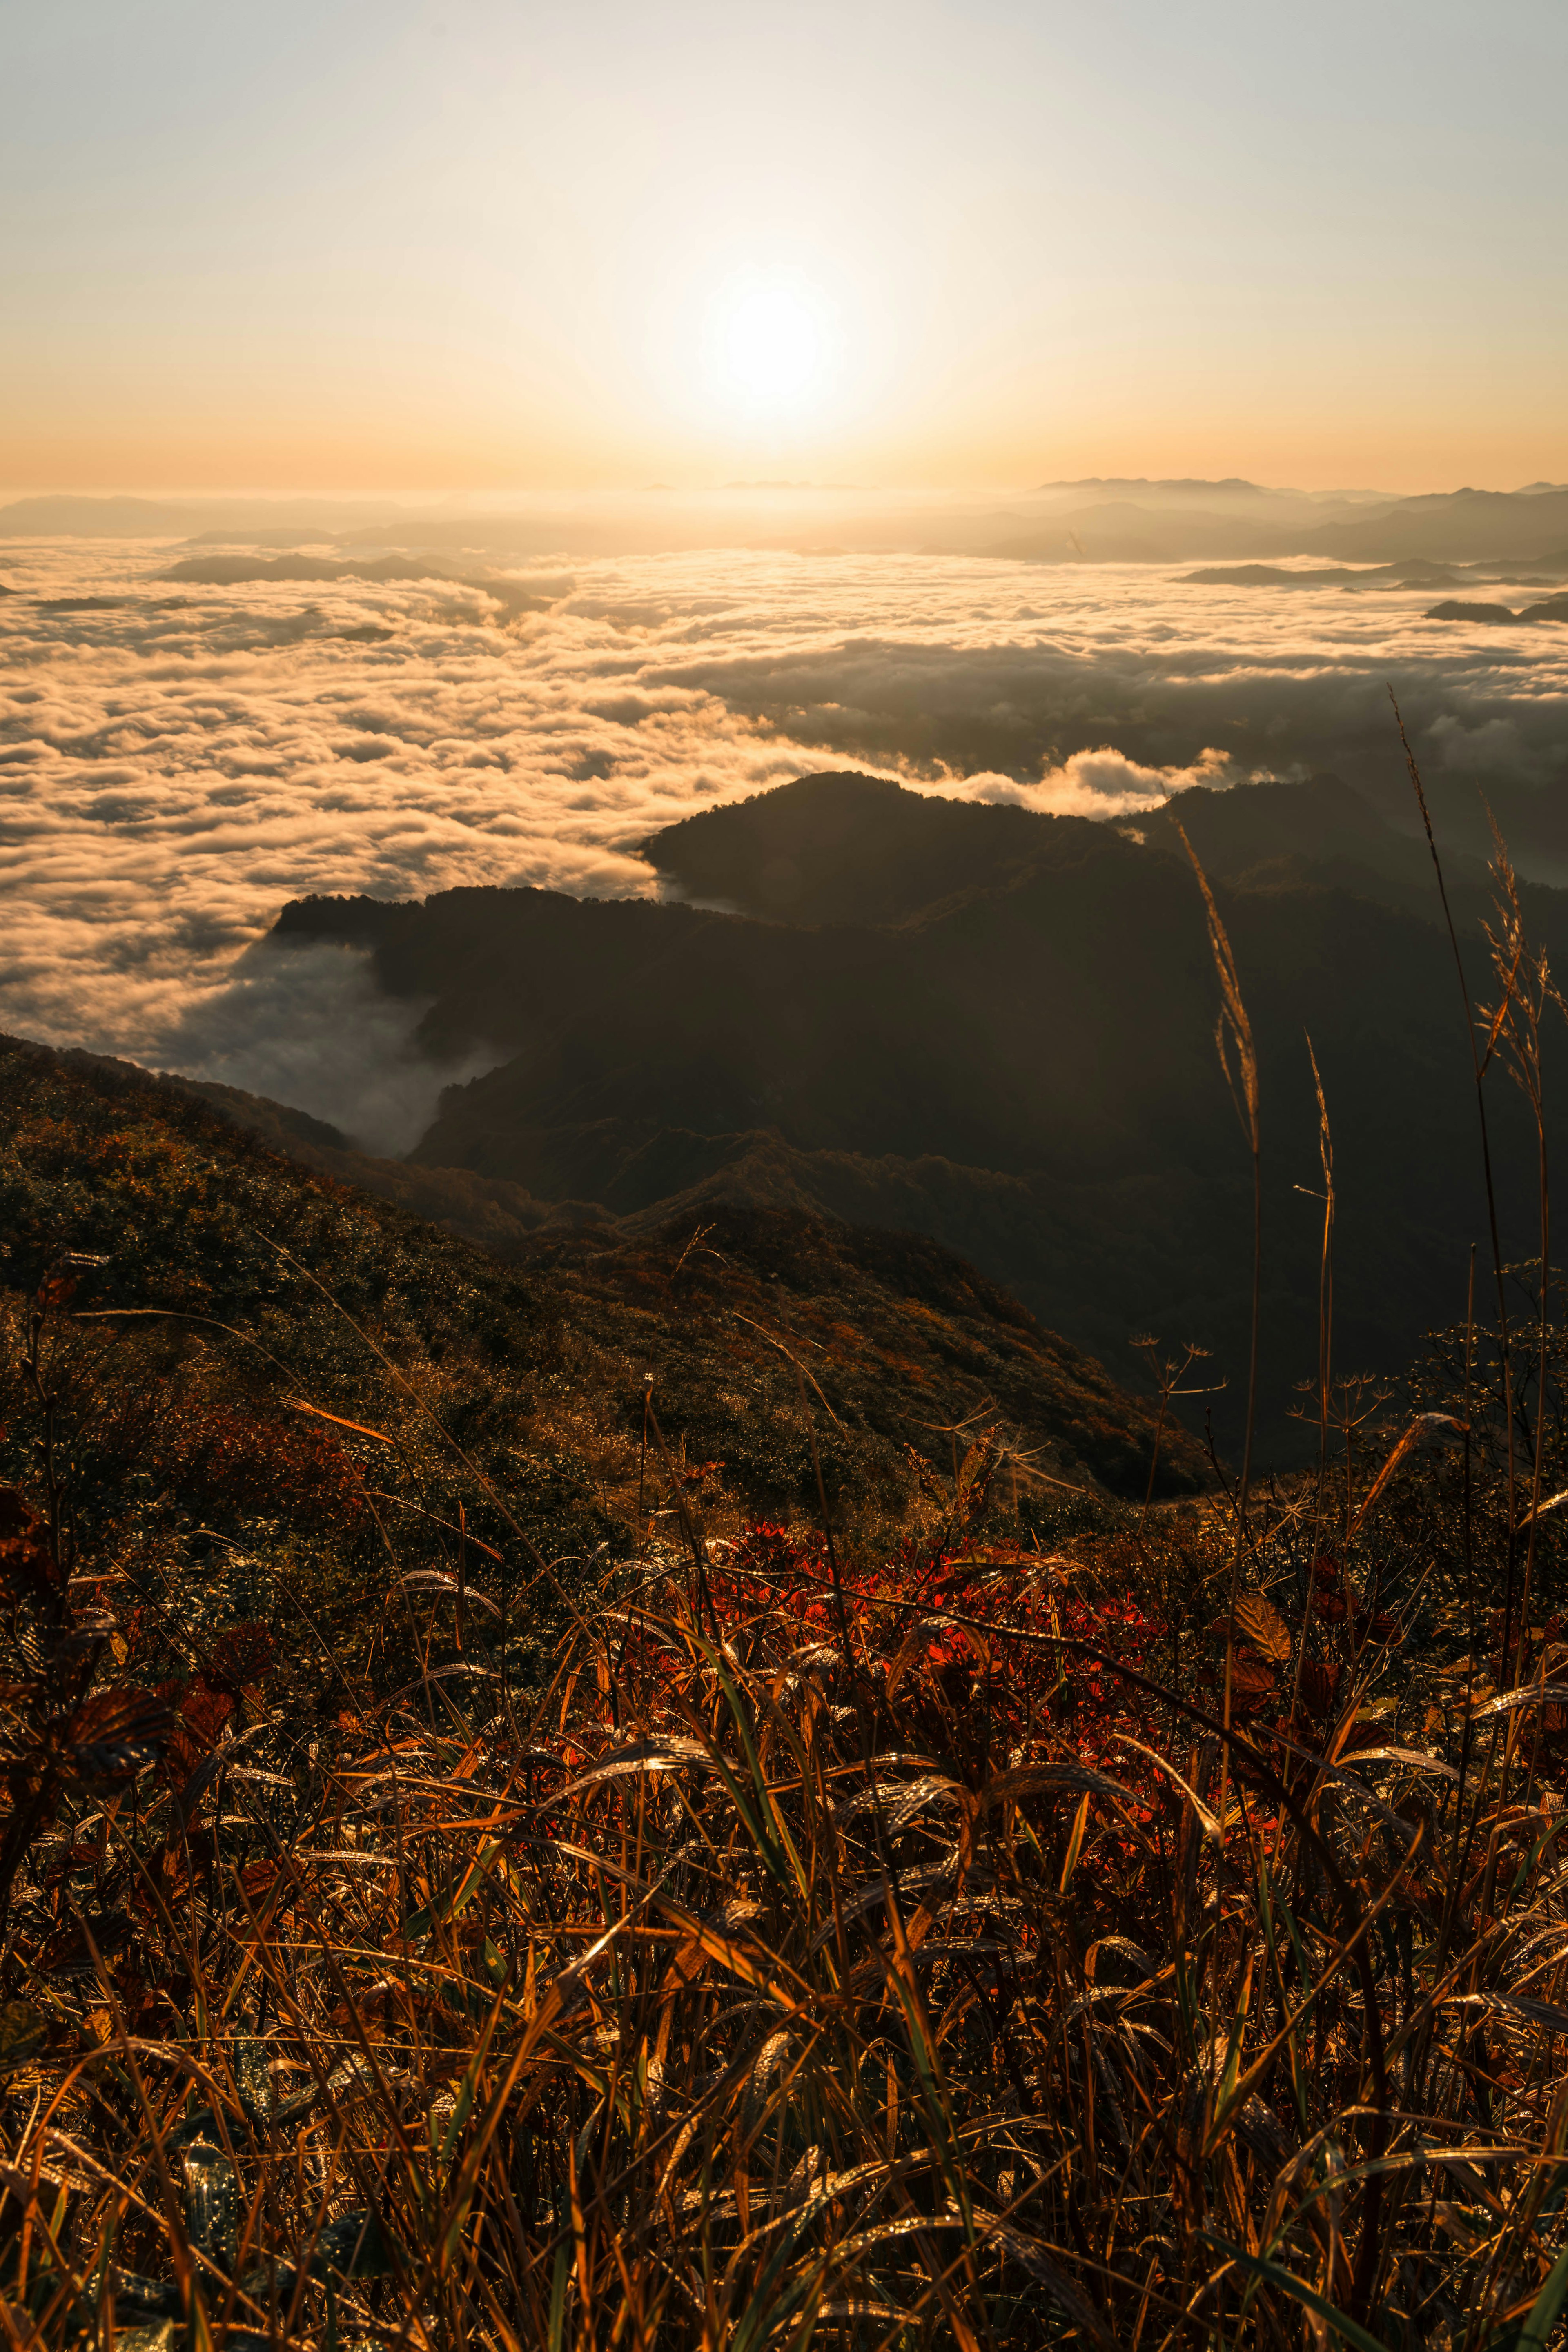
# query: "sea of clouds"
{"type": "Point", "coordinates": [176, 759]}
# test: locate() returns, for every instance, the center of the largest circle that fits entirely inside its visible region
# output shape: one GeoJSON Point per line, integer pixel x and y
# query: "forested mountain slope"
{"type": "Point", "coordinates": [1013, 1054]}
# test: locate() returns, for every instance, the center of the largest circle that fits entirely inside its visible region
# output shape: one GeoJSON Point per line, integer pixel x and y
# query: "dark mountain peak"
{"type": "Point", "coordinates": [850, 848]}
{"type": "Point", "coordinates": [988, 1024]}
{"type": "Point", "coordinates": [847, 848]}
{"type": "Point", "coordinates": [358, 921]}
{"type": "Point", "coordinates": [1456, 608]}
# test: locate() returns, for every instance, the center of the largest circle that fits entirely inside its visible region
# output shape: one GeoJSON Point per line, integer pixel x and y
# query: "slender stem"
{"type": "Point", "coordinates": [827, 1527]}
{"type": "Point", "coordinates": [1478, 1071]}
{"type": "Point", "coordinates": [1257, 1321]}
{"type": "Point", "coordinates": [1155, 1454]}
{"type": "Point", "coordinates": [1537, 1462]}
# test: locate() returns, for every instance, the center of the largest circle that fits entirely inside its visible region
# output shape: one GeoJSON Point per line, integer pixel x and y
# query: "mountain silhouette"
{"type": "Point", "coordinates": [1010, 1048]}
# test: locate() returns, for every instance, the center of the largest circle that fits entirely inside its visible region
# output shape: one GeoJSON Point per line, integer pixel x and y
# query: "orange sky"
{"type": "Point", "coordinates": [464, 245]}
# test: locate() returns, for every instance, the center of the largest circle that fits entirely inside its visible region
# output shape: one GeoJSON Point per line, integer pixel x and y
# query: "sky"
{"type": "Point", "coordinates": [465, 245]}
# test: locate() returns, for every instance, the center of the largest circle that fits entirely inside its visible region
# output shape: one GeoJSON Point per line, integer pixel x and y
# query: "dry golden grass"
{"type": "Point", "coordinates": [1160, 1939]}
{"type": "Point", "coordinates": [834, 1952]}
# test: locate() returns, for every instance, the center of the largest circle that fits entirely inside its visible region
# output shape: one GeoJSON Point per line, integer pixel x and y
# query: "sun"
{"type": "Point", "coordinates": [769, 347]}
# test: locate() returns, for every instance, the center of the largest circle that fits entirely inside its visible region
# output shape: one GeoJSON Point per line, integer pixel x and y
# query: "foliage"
{"type": "Point", "coordinates": [481, 1884]}
{"type": "Point", "coordinates": [865, 1942]}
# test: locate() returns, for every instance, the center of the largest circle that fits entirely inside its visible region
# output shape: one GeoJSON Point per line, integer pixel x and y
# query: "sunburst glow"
{"type": "Point", "coordinates": [771, 347]}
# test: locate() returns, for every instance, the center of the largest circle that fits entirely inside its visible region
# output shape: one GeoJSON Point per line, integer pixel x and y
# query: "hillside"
{"type": "Point", "coordinates": [460, 1862]}
{"type": "Point", "coordinates": [1012, 1050]}
{"type": "Point", "coordinates": [240, 1298]}
{"type": "Point", "coordinates": [846, 848]}
{"type": "Point", "coordinates": [346, 1824]}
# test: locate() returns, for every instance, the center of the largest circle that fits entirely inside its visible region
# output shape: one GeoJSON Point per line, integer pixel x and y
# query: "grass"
{"type": "Point", "coordinates": [879, 1971]}
{"type": "Point", "coordinates": [984, 1919]}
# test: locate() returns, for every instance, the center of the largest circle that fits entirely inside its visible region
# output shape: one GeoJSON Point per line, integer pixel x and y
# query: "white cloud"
{"type": "Point", "coordinates": [1102, 784]}
{"type": "Point", "coordinates": [307, 1024]}
{"type": "Point", "coordinates": [174, 767]}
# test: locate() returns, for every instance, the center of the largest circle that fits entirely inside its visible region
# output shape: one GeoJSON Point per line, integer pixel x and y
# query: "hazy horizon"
{"type": "Point", "coordinates": [412, 496]}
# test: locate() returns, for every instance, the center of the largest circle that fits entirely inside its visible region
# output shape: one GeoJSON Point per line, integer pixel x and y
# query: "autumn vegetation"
{"type": "Point", "coordinates": [482, 1870]}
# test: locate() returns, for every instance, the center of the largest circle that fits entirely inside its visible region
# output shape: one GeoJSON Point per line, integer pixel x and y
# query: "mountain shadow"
{"type": "Point", "coordinates": [1011, 1049]}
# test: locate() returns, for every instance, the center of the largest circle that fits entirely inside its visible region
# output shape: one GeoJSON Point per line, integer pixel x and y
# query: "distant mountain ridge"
{"type": "Point", "coordinates": [1456, 526]}
{"type": "Point", "coordinates": [1095, 520]}
{"type": "Point", "coordinates": [1453, 527]}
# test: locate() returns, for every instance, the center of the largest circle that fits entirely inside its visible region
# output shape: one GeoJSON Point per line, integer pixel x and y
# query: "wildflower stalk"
{"type": "Point", "coordinates": [1478, 1068]}
{"type": "Point", "coordinates": [1233, 1029]}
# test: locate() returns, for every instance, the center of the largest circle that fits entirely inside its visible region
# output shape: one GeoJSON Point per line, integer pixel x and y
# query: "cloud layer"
{"type": "Point", "coordinates": [176, 762]}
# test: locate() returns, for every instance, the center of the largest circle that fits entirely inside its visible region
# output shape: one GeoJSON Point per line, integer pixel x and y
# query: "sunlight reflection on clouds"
{"type": "Point", "coordinates": [173, 766]}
